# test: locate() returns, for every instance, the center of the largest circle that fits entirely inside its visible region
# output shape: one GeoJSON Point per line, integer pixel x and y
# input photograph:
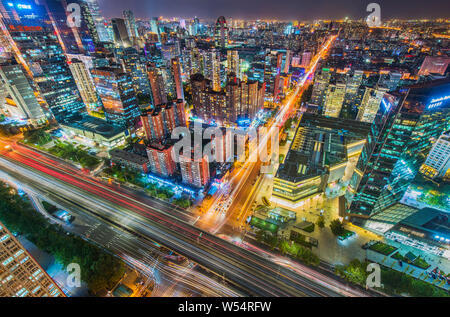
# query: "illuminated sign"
{"type": "Point", "coordinates": [386, 105]}
{"type": "Point", "coordinates": [24, 6]}
{"type": "Point", "coordinates": [434, 103]}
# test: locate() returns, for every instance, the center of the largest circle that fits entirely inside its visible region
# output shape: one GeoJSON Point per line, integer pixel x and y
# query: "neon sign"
{"type": "Point", "coordinates": [24, 6]}
{"type": "Point", "coordinates": [437, 102]}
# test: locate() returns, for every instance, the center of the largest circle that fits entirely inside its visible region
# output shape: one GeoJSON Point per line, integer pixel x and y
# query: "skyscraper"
{"type": "Point", "coordinates": [21, 101]}
{"type": "Point", "coordinates": [120, 32]}
{"type": "Point", "coordinates": [176, 73]}
{"type": "Point", "coordinates": [233, 63]}
{"type": "Point", "coordinates": [221, 33]}
{"type": "Point", "coordinates": [20, 274]}
{"type": "Point", "coordinates": [437, 164]}
{"type": "Point", "coordinates": [157, 84]}
{"type": "Point", "coordinates": [212, 68]}
{"type": "Point", "coordinates": [398, 144]}
{"type": "Point", "coordinates": [85, 85]}
{"type": "Point", "coordinates": [99, 21]}
{"type": "Point", "coordinates": [39, 52]}
{"type": "Point", "coordinates": [130, 23]}
{"type": "Point", "coordinates": [116, 91]}
{"type": "Point", "coordinates": [370, 104]}
{"type": "Point", "coordinates": [334, 99]}
{"type": "Point", "coordinates": [320, 87]}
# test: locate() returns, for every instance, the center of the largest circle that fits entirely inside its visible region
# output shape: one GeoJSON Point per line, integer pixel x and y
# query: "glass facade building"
{"type": "Point", "coordinates": [401, 137]}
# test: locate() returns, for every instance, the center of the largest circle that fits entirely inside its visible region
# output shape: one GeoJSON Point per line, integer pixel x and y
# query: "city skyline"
{"type": "Point", "coordinates": [282, 10]}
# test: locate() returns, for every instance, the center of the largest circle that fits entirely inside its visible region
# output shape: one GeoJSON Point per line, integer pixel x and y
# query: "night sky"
{"type": "Point", "coordinates": [282, 9]}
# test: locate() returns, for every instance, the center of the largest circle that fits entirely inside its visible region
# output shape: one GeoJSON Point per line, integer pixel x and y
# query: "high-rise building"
{"type": "Point", "coordinates": [21, 101]}
{"type": "Point", "coordinates": [156, 80]}
{"type": "Point", "coordinates": [306, 59]}
{"type": "Point", "coordinates": [176, 73]}
{"type": "Point", "coordinates": [135, 66]}
{"type": "Point", "coordinates": [120, 32]}
{"type": "Point", "coordinates": [221, 33]}
{"type": "Point", "coordinates": [85, 85]}
{"type": "Point", "coordinates": [334, 99]}
{"type": "Point", "coordinates": [370, 104]}
{"type": "Point", "coordinates": [130, 23]}
{"type": "Point", "coordinates": [437, 164]}
{"type": "Point", "coordinates": [212, 69]}
{"type": "Point", "coordinates": [233, 63]}
{"type": "Point", "coordinates": [39, 52]}
{"type": "Point", "coordinates": [99, 21]}
{"type": "Point", "coordinates": [162, 120]}
{"type": "Point", "coordinates": [320, 87]}
{"type": "Point", "coordinates": [195, 172]}
{"type": "Point", "coordinates": [20, 274]}
{"type": "Point", "coordinates": [399, 141]}
{"type": "Point", "coordinates": [161, 159]}
{"type": "Point", "coordinates": [116, 91]}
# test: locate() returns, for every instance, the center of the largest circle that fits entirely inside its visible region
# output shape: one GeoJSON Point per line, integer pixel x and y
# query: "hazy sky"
{"type": "Point", "coordinates": [283, 9]}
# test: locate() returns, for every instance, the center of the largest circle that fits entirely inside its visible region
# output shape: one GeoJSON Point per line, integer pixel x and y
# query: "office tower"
{"type": "Point", "coordinates": [434, 65]}
{"type": "Point", "coordinates": [437, 164]}
{"type": "Point", "coordinates": [98, 20]}
{"type": "Point", "coordinates": [212, 69]}
{"type": "Point", "coordinates": [21, 101]}
{"type": "Point", "coordinates": [20, 274]}
{"type": "Point", "coordinates": [161, 159]}
{"type": "Point", "coordinates": [120, 32]}
{"type": "Point", "coordinates": [195, 172]}
{"type": "Point", "coordinates": [334, 99]}
{"type": "Point", "coordinates": [135, 66]}
{"type": "Point", "coordinates": [320, 87]}
{"type": "Point", "coordinates": [399, 141]}
{"type": "Point", "coordinates": [221, 33]}
{"type": "Point", "coordinates": [40, 54]}
{"type": "Point", "coordinates": [233, 63]}
{"type": "Point", "coordinates": [353, 95]}
{"type": "Point", "coordinates": [130, 23]}
{"type": "Point", "coordinates": [176, 73]}
{"type": "Point", "coordinates": [85, 85]}
{"type": "Point", "coordinates": [155, 27]}
{"type": "Point", "coordinates": [370, 104]}
{"type": "Point", "coordinates": [156, 83]}
{"type": "Point", "coordinates": [117, 94]}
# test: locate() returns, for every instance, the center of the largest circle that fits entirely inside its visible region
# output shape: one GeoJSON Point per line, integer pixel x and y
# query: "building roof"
{"type": "Point", "coordinates": [128, 156]}
{"type": "Point", "coordinates": [94, 125]}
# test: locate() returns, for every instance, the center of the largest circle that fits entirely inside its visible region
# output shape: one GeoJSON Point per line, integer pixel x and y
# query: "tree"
{"type": "Point", "coordinates": [337, 227]}
{"type": "Point", "coordinates": [321, 222]}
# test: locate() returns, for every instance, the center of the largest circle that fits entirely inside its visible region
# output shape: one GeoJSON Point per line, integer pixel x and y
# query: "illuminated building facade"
{"type": "Point", "coordinates": [221, 33]}
{"type": "Point", "coordinates": [370, 104]}
{"type": "Point", "coordinates": [85, 85]}
{"type": "Point", "coordinates": [116, 91]}
{"type": "Point", "coordinates": [176, 73]}
{"type": "Point", "coordinates": [195, 172]}
{"type": "Point", "coordinates": [400, 140]}
{"type": "Point", "coordinates": [161, 160]}
{"type": "Point", "coordinates": [437, 164]}
{"type": "Point", "coordinates": [319, 156]}
{"type": "Point", "coordinates": [21, 101]}
{"type": "Point", "coordinates": [37, 49]}
{"type": "Point", "coordinates": [20, 274]}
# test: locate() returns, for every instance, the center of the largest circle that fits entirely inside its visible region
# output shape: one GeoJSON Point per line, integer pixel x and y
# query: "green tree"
{"type": "Point", "coordinates": [337, 227]}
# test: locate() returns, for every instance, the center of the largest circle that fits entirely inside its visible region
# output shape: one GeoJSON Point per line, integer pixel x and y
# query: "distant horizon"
{"type": "Point", "coordinates": [305, 10]}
